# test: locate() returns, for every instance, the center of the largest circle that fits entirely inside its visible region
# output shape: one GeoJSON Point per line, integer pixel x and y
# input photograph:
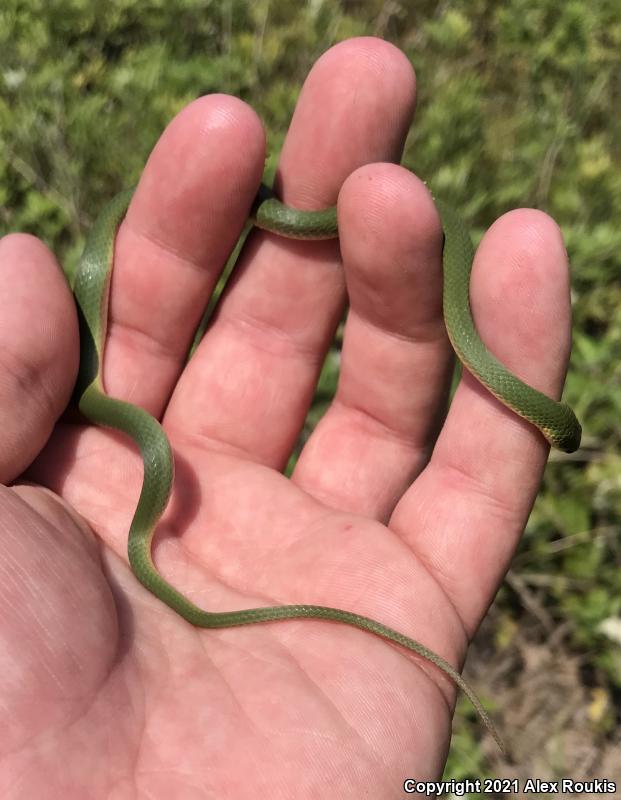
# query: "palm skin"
{"type": "Point", "coordinates": [107, 693]}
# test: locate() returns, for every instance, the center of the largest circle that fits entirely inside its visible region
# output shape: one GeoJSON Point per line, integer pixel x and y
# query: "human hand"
{"type": "Point", "coordinates": [101, 674]}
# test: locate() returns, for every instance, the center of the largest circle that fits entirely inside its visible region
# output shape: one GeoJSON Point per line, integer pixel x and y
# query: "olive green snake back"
{"type": "Point", "coordinates": [91, 289]}
{"type": "Point", "coordinates": [556, 421]}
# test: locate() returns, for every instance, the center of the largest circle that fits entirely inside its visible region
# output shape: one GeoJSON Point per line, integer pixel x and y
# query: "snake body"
{"type": "Point", "coordinates": [91, 289]}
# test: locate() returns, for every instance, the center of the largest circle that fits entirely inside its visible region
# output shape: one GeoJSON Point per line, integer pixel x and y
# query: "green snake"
{"type": "Point", "coordinates": [91, 287]}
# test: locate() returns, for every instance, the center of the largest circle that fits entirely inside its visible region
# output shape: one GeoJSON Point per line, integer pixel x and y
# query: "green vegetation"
{"type": "Point", "coordinates": [518, 105]}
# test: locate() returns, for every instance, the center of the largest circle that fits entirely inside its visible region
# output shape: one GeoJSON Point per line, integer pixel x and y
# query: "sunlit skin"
{"type": "Point", "coordinates": [392, 511]}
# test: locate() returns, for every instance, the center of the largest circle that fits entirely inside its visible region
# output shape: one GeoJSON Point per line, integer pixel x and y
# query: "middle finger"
{"type": "Point", "coordinates": [259, 362]}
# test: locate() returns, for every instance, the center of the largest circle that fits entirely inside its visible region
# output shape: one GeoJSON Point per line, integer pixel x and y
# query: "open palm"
{"type": "Point", "coordinates": [391, 512]}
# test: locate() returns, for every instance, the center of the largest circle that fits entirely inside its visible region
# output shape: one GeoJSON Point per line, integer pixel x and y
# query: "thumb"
{"type": "Point", "coordinates": [38, 349]}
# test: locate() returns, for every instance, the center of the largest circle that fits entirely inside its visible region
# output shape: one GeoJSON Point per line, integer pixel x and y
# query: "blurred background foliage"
{"type": "Point", "coordinates": [518, 106]}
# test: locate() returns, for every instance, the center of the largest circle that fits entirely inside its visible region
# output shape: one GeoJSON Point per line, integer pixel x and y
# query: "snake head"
{"type": "Point", "coordinates": [568, 434]}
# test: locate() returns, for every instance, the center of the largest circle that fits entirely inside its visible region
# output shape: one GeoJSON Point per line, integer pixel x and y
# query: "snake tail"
{"type": "Point", "coordinates": [148, 435]}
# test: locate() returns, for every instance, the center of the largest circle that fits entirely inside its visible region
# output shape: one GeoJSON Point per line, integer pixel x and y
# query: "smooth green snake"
{"type": "Point", "coordinates": [555, 420]}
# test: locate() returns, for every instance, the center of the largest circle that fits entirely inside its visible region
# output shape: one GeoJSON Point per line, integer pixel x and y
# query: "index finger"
{"type": "Point", "coordinates": [188, 210]}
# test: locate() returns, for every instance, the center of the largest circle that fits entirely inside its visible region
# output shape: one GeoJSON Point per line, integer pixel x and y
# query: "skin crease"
{"type": "Point", "coordinates": [390, 513]}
